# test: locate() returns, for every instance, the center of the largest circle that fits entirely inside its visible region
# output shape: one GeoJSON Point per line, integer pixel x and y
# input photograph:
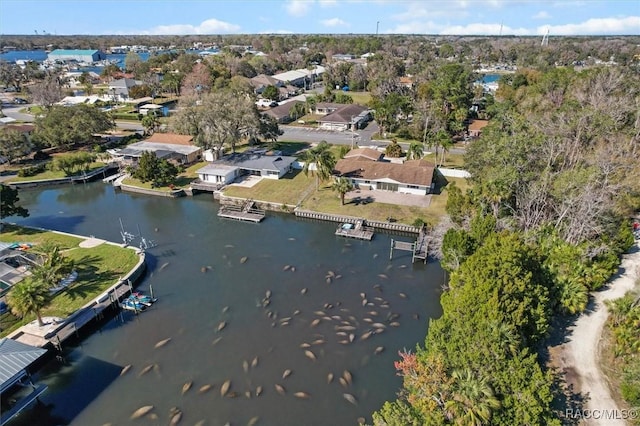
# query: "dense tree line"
{"type": "Point", "coordinates": [554, 180]}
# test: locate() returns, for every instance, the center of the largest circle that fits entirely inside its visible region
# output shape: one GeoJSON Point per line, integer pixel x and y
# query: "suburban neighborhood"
{"type": "Point", "coordinates": [401, 228]}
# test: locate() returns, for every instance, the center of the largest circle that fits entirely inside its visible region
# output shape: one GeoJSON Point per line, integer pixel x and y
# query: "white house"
{"type": "Point", "coordinates": [225, 170]}
{"type": "Point", "coordinates": [410, 177]}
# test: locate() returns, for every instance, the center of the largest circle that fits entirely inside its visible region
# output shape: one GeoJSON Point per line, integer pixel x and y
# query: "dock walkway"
{"type": "Point", "coordinates": [419, 249]}
{"type": "Point", "coordinates": [358, 230]}
{"type": "Point", "coordinates": [247, 212]}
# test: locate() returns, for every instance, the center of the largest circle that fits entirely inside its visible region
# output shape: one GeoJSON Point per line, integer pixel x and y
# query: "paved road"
{"type": "Point", "coordinates": [13, 111]}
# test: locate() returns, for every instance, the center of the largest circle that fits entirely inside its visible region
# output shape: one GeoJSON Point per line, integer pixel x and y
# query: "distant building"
{"type": "Point", "coordinates": [119, 89]}
{"type": "Point", "coordinates": [350, 116]}
{"type": "Point", "coordinates": [169, 146]}
{"type": "Point", "coordinates": [77, 55]}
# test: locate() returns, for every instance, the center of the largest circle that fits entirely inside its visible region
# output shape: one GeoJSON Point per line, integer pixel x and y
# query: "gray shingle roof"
{"type": "Point", "coordinates": [15, 357]}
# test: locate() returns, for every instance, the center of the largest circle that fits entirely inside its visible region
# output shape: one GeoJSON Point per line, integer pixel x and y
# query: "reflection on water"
{"type": "Point", "coordinates": [242, 303]}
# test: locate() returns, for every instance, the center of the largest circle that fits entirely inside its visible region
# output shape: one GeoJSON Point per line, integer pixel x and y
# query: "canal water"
{"type": "Point", "coordinates": [334, 305]}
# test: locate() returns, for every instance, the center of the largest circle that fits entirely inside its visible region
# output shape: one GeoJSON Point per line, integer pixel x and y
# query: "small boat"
{"type": "Point", "coordinates": [132, 305]}
{"type": "Point", "coordinates": [143, 298]}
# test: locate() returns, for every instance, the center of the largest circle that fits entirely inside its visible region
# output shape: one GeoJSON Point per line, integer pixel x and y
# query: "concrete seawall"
{"type": "Point", "coordinates": [171, 194]}
{"type": "Point", "coordinates": [91, 310]}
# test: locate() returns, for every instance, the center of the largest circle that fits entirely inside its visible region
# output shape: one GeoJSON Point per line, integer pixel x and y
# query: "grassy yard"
{"type": "Point", "coordinates": [17, 234]}
{"type": "Point", "coordinates": [455, 161]}
{"type": "Point", "coordinates": [98, 269]}
{"type": "Point", "coordinates": [287, 190]}
{"type": "Point", "coordinates": [361, 98]}
{"type": "Point", "coordinates": [182, 180]}
{"type": "Point", "coordinates": [52, 174]}
{"type": "Point", "coordinates": [326, 200]}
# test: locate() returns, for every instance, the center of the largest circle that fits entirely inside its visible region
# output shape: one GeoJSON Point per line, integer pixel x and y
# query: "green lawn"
{"type": "Point", "coordinates": [361, 98]}
{"type": "Point", "coordinates": [327, 201]}
{"type": "Point", "coordinates": [288, 190]}
{"type": "Point", "coordinates": [455, 161]}
{"type": "Point", "coordinates": [53, 174]}
{"type": "Point", "coordinates": [182, 180]}
{"type": "Point", "coordinates": [98, 269]}
{"type": "Point", "coordinates": [16, 234]}
{"type": "Point", "coordinates": [191, 170]}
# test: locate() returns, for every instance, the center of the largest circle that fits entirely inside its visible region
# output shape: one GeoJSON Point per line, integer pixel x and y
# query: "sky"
{"type": "Point", "coordinates": [441, 17]}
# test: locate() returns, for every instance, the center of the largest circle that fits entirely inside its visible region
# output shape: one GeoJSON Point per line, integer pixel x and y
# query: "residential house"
{"type": "Point", "coordinates": [410, 177]}
{"type": "Point", "coordinates": [302, 78]}
{"type": "Point", "coordinates": [364, 154]}
{"type": "Point", "coordinates": [475, 128]}
{"type": "Point", "coordinates": [350, 116]}
{"type": "Point", "coordinates": [119, 89]}
{"type": "Point", "coordinates": [256, 163]}
{"type": "Point", "coordinates": [16, 387]}
{"type": "Point", "coordinates": [170, 146]}
{"type": "Point", "coordinates": [281, 113]}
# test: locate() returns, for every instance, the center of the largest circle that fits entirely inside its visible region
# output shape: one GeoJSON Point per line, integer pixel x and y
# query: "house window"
{"type": "Point", "coordinates": [385, 186]}
{"type": "Point", "coordinates": [413, 186]}
{"type": "Point", "coordinates": [367, 181]}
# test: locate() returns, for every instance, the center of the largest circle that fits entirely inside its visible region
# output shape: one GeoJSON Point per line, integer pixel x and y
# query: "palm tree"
{"type": "Point", "coordinates": [150, 122]}
{"type": "Point", "coordinates": [29, 296]}
{"type": "Point", "coordinates": [342, 185]}
{"type": "Point", "coordinates": [54, 268]}
{"type": "Point", "coordinates": [415, 151]}
{"type": "Point", "coordinates": [323, 159]}
{"type": "Point", "coordinates": [297, 110]}
{"type": "Point", "coordinates": [472, 401]}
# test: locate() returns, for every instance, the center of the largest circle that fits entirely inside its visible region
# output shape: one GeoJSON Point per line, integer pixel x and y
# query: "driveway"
{"type": "Point", "coordinates": [388, 197]}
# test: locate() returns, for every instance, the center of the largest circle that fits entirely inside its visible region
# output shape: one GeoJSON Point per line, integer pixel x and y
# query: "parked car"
{"type": "Point", "coordinates": [266, 103]}
{"type": "Point", "coordinates": [3, 307]}
{"type": "Point", "coordinates": [20, 101]}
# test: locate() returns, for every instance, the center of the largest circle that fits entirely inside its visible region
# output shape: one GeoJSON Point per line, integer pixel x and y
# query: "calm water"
{"type": "Point", "coordinates": [88, 390]}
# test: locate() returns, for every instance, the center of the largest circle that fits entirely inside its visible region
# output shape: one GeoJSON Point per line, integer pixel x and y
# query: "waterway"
{"type": "Point", "coordinates": [208, 271]}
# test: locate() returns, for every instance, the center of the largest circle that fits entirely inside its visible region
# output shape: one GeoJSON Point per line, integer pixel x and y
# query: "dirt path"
{"type": "Point", "coordinates": [579, 355]}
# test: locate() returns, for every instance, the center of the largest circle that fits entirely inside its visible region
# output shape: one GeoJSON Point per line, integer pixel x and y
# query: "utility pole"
{"type": "Point", "coordinates": [377, 26]}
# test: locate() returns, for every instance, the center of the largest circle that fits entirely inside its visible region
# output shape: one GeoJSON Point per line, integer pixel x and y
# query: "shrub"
{"type": "Point", "coordinates": [32, 171]}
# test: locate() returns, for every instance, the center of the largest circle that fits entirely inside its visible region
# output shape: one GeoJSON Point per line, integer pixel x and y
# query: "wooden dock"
{"type": "Point", "coordinates": [87, 314]}
{"type": "Point", "coordinates": [419, 249]}
{"type": "Point", "coordinates": [358, 230]}
{"type": "Point", "coordinates": [247, 212]}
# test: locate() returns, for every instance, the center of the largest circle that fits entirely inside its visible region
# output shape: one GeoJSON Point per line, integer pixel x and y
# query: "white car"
{"type": "Point", "coordinates": [266, 103]}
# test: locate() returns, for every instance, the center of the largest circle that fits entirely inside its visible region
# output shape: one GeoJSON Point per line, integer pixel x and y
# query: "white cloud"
{"type": "Point", "coordinates": [541, 15]}
{"type": "Point", "coordinates": [614, 26]}
{"type": "Point", "coordinates": [210, 26]}
{"type": "Point", "coordinates": [298, 7]}
{"type": "Point", "coordinates": [334, 22]}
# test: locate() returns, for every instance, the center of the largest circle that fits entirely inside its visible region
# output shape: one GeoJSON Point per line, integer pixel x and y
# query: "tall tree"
{"type": "Point", "coordinates": [69, 125]}
{"type": "Point", "coordinates": [14, 144]}
{"type": "Point", "coordinates": [197, 82]}
{"type": "Point", "coordinates": [322, 160]}
{"type": "Point", "coordinates": [29, 296]}
{"type": "Point", "coordinates": [9, 203]}
{"type": "Point", "coordinates": [219, 120]}
{"type": "Point", "coordinates": [47, 92]}
{"type": "Point", "coordinates": [342, 185]}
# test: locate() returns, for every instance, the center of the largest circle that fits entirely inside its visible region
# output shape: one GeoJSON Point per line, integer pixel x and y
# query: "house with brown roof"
{"type": "Point", "coordinates": [347, 117]}
{"type": "Point", "coordinates": [281, 112]}
{"type": "Point", "coordinates": [364, 154]}
{"type": "Point", "coordinates": [410, 177]}
{"type": "Point", "coordinates": [170, 146]}
{"type": "Point", "coordinates": [475, 128]}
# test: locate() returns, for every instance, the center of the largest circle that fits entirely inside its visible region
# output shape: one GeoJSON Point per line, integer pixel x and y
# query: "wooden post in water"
{"type": "Point", "coordinates": [391, 252]}
{"type": "Point", "coordinates": [151, 290]}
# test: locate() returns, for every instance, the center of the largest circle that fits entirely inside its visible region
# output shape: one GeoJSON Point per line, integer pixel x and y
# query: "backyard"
{"type": "Point", "coordinates": [98, 269]}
